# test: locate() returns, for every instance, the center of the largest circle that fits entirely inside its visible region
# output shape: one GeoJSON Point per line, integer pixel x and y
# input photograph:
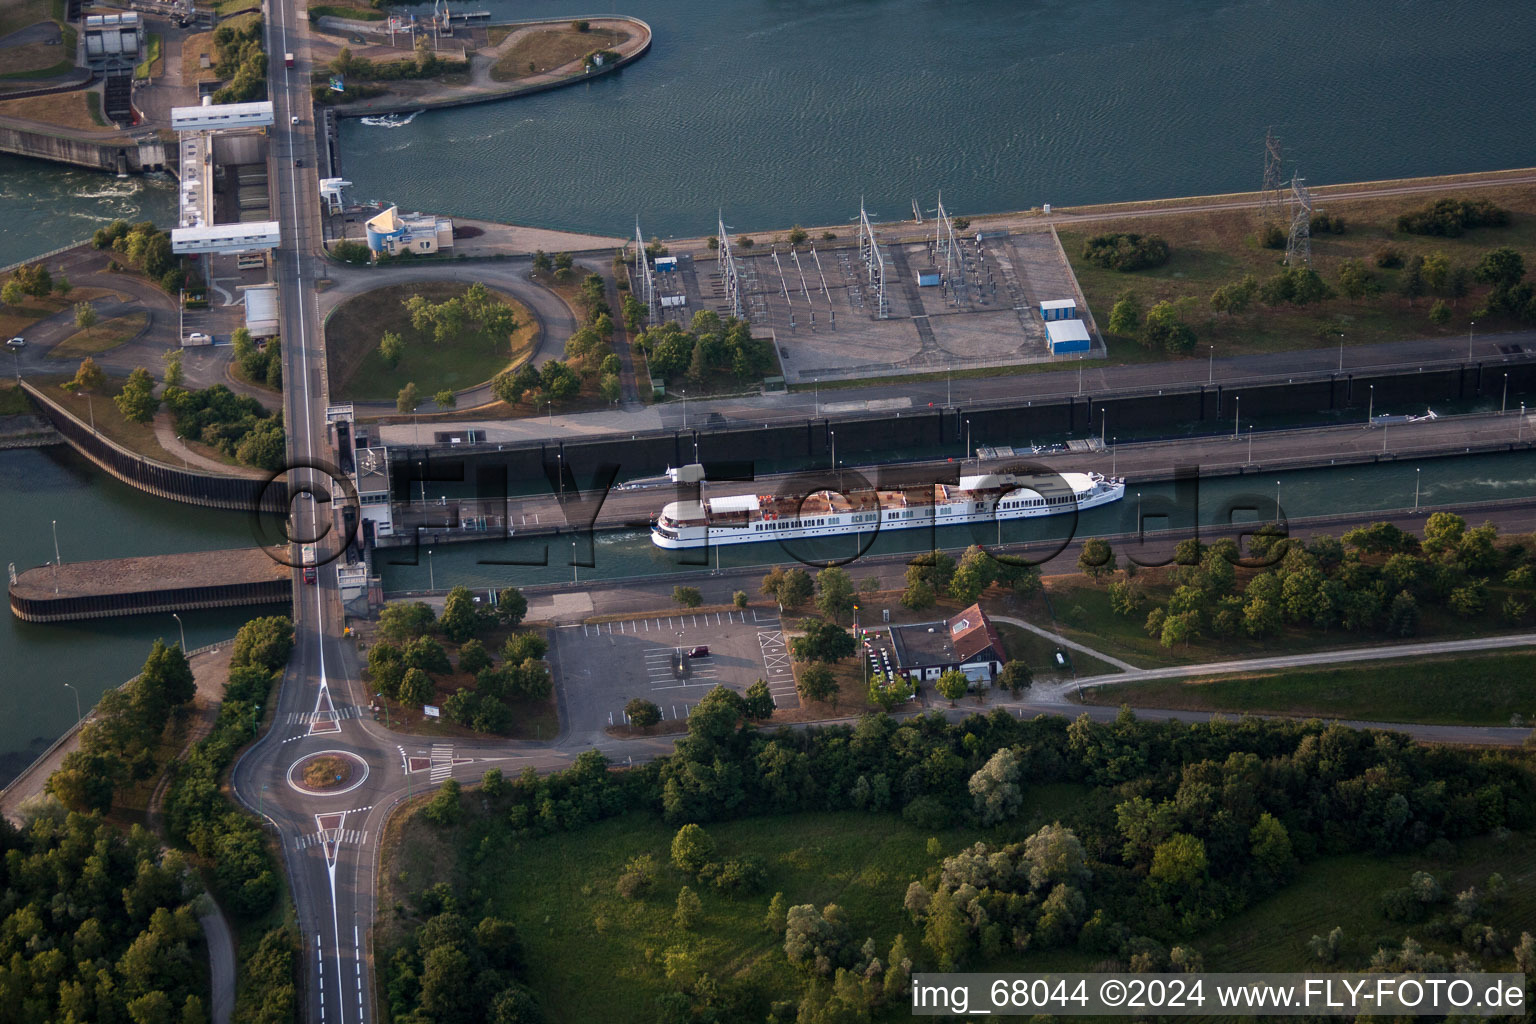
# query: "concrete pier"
{"type": "Point", "coordinates": [156, 583]}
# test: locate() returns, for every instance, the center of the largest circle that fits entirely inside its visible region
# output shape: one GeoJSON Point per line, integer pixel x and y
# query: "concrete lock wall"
{"type": "Point", "coordinates": [239, 493]}
{"type": "Point", "coordinates": [100, 606]}
{"type": "Point", "coordinates": [1410, 391]}
{"type": "Point", "coordinates": [114, 155]}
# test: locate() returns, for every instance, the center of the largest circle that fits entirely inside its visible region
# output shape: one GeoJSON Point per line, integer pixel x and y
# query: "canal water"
{"type": "Point", "coordinates": [44, 206]}
{"type": "Point", "coordinates": [787, 111]}
{"type": "Point", "coordinates": [627, 554]}
{"type": "Point", "coordinates": [97, 517]}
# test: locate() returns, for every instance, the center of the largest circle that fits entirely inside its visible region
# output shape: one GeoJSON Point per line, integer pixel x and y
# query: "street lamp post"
{"type": "Point", "coordinates": [1469, 339]}
{"type": "Point", "coordinates": [549, 407]}
{"type": "Point", "coordinates": [1114, 455]}
{"type": "Point", "coordinates": [967, 438]}
{"type": "Point", "coordinates": [1416, 471]}
{"type": "Point", "coordinates": [56, 558]}
{"type": "Point", "coordinates": [183, 453]}
{"type": "Point", "coordinates": [1250, 443]}
{"type": "Point", "coordinates": [947, 402]}
{"type": "Point", "coordinates": [685, 407]}
{"type": "Point", "coordinates": [1210, 366]}
{"type": "Point", "coordinates": [1504, 401]}
{"type": "Point", "coordinates": [255, 719]}
{"type": "Point", "coordinates": [76, 692]}
{"type": "Point", "coordinates": [1370, 410]}
{"type": "Point", "coordinates": [815, 400]}
{"type": "Point", "coordinates": [431, 575]}
{"type": "Point", "coordinates": [1341, 351]}
{"type": "Point", "coordinates": [1384, 428]}
{"type": "Point", "coordinates": [1237, 411]}
{"type": "Point", "coordinates": [573, 560]}
{"type": "Point", "coordinates": [1277, 501]}
{"type": "Point", "coordinates": [1138, 513]}
{"type": "Point", "coordinates": [183, 630]}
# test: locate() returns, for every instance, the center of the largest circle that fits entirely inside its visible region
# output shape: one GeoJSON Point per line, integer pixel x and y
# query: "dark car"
{"type": "Point", "coordinates": [698, 652]}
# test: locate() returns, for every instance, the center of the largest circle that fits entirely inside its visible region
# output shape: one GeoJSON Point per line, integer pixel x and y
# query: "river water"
{"type": "Point", "coordinates": [44, 206]}
{"type": "Point", "coordinates": [782, 111]}
{"type": "Point", "coordinates": [787, 111]}
{"type": "Point", "coordinates": [97, 517]}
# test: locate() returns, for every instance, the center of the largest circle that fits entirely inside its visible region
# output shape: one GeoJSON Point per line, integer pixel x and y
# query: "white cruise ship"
{"type": "Point", "coordinates": [984, 498]}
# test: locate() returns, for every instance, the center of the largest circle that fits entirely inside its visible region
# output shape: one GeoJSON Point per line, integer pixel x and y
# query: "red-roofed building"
{"type": "Point", "coordinates": [967, 641]}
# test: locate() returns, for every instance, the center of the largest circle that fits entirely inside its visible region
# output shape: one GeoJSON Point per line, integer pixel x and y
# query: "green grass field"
{"type": "Point", "coordinates": [559, 890]}
{"type": "Point", "coordinates": [1209, 249]}
{"type": "Point", "coordinates": [1039, 654]}
{"type": "Point", "coordinates": [1081, 612]}
{"type": "Point", "coordinates": [353, 330]}
{"type": "Point", "coordinates": [1461, 690]}
{"type": "Point", "coordinates": [106, 335]}
{"type": "Point", "coordinates": [1345, 892]}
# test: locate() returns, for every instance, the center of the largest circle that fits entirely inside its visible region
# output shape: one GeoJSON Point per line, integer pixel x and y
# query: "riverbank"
{"type": "Point", "coordinates": [210, 668]}
{"type": "Point", "coordinates": [488, 69]}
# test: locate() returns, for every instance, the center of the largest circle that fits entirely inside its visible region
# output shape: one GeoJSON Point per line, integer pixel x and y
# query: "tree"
{"type": "Point", "coordinates": [1440, 313]}
{"type": "Point", "coordinates": [823, 641]}
{"type": "Point", "coordinates": [85, 315]}
{"type": "Point", "coordinates": [834, 597]}
{"type": "Point", "coordinates": [1179, 860]}
{"type": "Point", "coordinates": [405, 620]}
{"type": "Point", "coordinates": [1125, 597]}
{"type": "Point", "coordinates": [460, 619]}
{"type": "Point", "coordinates": [692, 848]}
{"type": "Point", "coordinates": [391, 348]}
{"type": "Point", "coordinates": [88, 379]}
{"type": "Point", "coordinates": [995, 793]}
{"type": "Point", "coordinates": [511, 606]}
{"type": "Point", "coordinates": [137, 401]}
{"type": "Point", "coordinates": [408, 399]}
{"type": "Point", "coordinates": [1125, 315]}
{"type": "Point", "coordinates": [445, 808]}
{"type": "Point", "coordinates": [1502, 268]}
{"type": "Point", "coordinates": [416, 687]}
{"type": "Point", "coordinates": [642, 713]}
{"type": "Point", "coordinates": [774, 919]}
{"type": "Point", "coordinates": [688, 910]}
{"type": "Point", "coordinates": [609, 388]}
{"type": "Point", "coordinates": [816, 683]}
{"type": "Point", "coordinates": [791, 588]}
{"type": "Point", "coordinates": [473, 657]}
{"type": "Point", "coordinates": [797, 235]}
{"type": "Point", "coordinates": [174, 375]}
{"type": "Point", "coordinates": [1163, 330]}
{"type": "Point", "coordinates": [1235, 297]}
{"type": "Point", "coordinates": [817, 942]}
{"type": "Point", "coordinates": [541, 261]}
{"type": "Point", "coordinates": [759, 701]}
{"type": "Point", "coordinates": [1096, 558]}
{"type": "Point", "coordinates": [13, 294]}
{"type": "Point", "coordinates": [428, 655]}
{"type": "Point", "coordinates": [1016, 676]}
{"type": "Point", "coordinates": [953, 685]}
{"type": "Point", "coordinates": [1355, 279]}
{"type": "Point", "coordinates": [687, 597]}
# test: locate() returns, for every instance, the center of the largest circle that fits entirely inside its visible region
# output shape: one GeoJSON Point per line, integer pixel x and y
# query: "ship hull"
{"type": "Point", "coordinates": [699, 537]}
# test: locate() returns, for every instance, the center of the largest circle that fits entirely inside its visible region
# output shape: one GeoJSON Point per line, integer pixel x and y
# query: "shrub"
{"type": "Point", "coordinates": [1126, 251]}
{"type": "Point", "coordinates": [1451, 217]}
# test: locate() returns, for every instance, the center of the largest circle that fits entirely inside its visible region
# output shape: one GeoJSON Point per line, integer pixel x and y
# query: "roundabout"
{"type": "Point", "coordinates": [327, 773]}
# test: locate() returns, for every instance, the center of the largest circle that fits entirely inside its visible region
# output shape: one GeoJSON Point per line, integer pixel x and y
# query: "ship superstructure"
{"type": "Point", "coordinates": [979, 498]}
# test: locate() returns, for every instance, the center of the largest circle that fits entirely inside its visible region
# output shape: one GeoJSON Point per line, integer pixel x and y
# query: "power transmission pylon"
{"type": "Point", "coordinates": [1298, 245]}
{"type": "Point", "coordinates": [1272, 195]}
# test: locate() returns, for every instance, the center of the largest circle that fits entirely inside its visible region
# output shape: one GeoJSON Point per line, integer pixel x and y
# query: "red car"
{"type": "Point", "coordinates": [698, 652]}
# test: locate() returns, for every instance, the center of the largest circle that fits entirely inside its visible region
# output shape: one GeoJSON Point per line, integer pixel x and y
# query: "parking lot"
{"type": "Point", "coordinates": [602, 666]}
